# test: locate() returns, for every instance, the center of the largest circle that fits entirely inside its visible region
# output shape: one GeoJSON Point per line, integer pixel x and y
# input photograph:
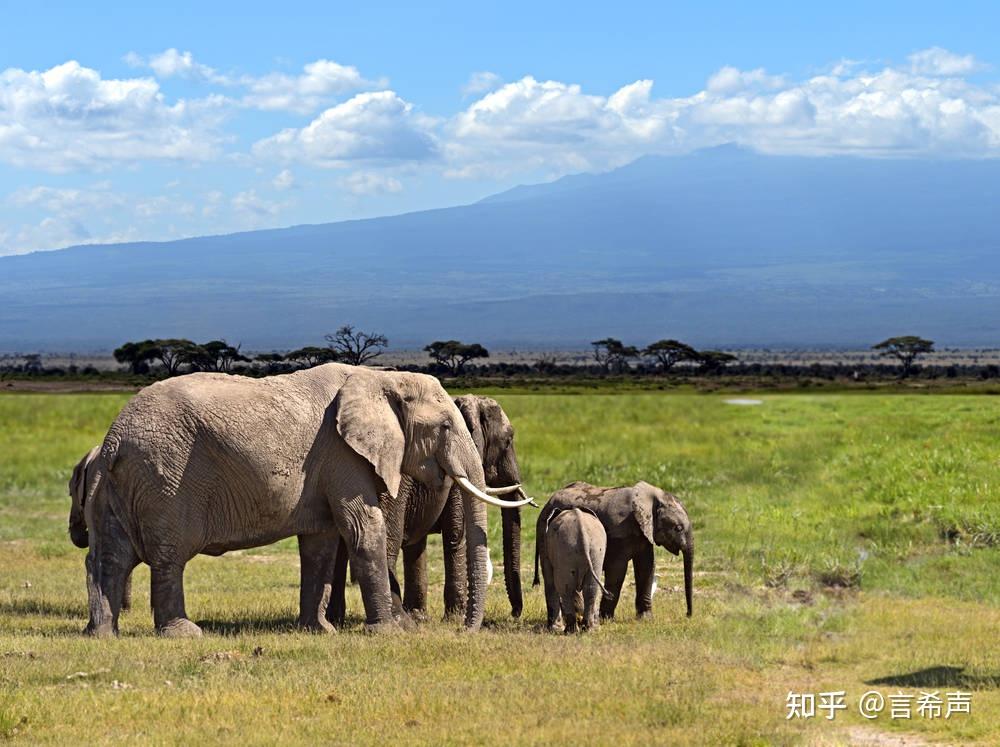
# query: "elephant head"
{"type": "Point", "coordinates": [78, 494]}
{"type": "Point", "coordinates": [493, 436]}
{"type": "Point", "coordinates": [665, 522]}
{"type": "Point", "coordinates": [405, 423]}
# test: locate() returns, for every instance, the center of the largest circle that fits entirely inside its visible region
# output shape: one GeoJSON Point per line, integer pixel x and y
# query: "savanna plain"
{"type": "Point", "coordinates": [844, 542]}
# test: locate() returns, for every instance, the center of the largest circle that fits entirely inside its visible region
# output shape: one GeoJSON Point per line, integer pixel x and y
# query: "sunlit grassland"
{"type": "Point", "coordinates": [844, 542]}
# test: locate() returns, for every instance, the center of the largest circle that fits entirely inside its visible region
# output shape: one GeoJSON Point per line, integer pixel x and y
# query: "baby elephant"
{"type": "Point", "coordinates": [575, 543]}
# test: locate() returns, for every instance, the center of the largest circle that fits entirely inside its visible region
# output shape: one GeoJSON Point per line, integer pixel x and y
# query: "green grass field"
{"type": "Point", "coordinates": [844, 542]}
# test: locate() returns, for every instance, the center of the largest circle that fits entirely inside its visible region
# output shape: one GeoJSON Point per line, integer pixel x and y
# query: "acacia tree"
{"type": "Point", "coordinates": [454, 354]}
{"type": "Point", "coordinates": [355, 347]}
{"type": "Point", "coordinates": [215, 355]}
{"type": "Point", "coordinates": [613, 355]}
{"type": "Point", "coordinates": [668, 353]}
{"type": "Point", "coordinates": [312, 355]}
{"type": "Point", "coordinates": [905, 349]}
{"type": "Point", "coordinates": [713, 361]}
{"type": "Point", "coordinates": [137, 355]}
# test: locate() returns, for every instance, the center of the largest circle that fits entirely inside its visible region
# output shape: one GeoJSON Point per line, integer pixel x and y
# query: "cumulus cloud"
{"type": "Point", "coordinates": [172, 63]}
{"type": "Point", "coordinates": [926, 108]}
{"type": "Point", "coordinates": [304, 93]}
{"type": "Point", "coordinates": [937, 61]}
{"type": "Point", "coordinates": [250, 203]}
{"type": "Point", "coordinates": [376, 127]}
{"type": "Point", "coordinates": [370, 183]}
{"type": "Point", "coordinates": [69, 117]}
{"type": "Point", "coordinates": [481, 82]}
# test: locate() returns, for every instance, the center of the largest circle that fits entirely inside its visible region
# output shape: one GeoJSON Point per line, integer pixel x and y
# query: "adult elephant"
{"type": "Point", "coordinates": [208, 463]}
{"type": "Point", "coordinates": [636, 518]}
{"type": "Point", "coordinates": [413, 514]}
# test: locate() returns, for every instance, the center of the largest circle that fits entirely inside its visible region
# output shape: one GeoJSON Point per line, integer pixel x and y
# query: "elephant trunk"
{"type": "Point", "coordinates": [509, 473]}
{"type": "Point", "coordinates": [476, 557]}
{"type": "Point", "coordinates": [688, 554]}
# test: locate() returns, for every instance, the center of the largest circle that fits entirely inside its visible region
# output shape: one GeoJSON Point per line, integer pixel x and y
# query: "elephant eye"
{"type": "Point", "coordinates": [678, 527]}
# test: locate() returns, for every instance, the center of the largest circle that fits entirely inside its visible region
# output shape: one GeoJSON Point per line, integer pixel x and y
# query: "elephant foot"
{"type": "Point", "coordinates": [383, 628]}
{"type": "Point", "coordinates": [321, 625]}
{"type": "Point", "coordinates": [406, 622]}
{"type": "Point", "coordinates": [418, 616]}
{"type": "Point", "coordinates": [647, 615]}
{"type": "Point", "coordinates": [180, 627]}
{"type": "Point", "coordinates": [100, 631]}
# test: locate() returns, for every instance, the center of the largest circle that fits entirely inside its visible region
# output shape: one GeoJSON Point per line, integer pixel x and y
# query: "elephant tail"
{"type": "Point", "coordinates": [585, 544]}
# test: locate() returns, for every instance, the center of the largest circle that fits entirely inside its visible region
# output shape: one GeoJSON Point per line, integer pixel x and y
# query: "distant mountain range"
{"type": "Point", "coordinates": [723, 247]}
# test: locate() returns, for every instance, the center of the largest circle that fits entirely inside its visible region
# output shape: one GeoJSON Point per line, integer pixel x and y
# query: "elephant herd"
{"type": "Point", "coordinates": [359, 464]}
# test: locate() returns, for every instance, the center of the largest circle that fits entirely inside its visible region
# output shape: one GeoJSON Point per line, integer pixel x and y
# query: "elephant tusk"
{"type": "Point", "coordinates": [529, 499]}
{"type": "Point", "coordinates": [468, 487]}
{"type": "Point", "coordinates": [502, 491]}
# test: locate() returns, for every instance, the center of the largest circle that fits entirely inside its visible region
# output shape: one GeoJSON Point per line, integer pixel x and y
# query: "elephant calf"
{"type": "Point", "coordinates": [575, 543]}
{"type": "Point", "coordinates": [636, 519]}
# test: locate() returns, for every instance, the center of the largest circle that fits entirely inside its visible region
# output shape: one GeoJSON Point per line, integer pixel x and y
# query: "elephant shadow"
{"type": "Point", "coordinates": [940, 677]}
{"type": "Point", "coordinates": [265, 624]}
{"type": "Point", "coordinates": [42, 608]}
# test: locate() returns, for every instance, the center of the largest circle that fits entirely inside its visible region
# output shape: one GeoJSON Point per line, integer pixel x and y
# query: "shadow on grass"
{"type": "Point", "coordinates": [43, 608]}
{"type": "Point", "coordinates": [940, 677]}
{"type": "Point", "coordinates": [257, 625]}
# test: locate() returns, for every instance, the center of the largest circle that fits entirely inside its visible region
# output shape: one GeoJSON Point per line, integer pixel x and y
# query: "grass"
{"type": "Point", "coordinates": [844, 542]}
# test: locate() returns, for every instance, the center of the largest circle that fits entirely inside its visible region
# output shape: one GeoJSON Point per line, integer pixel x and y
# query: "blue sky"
{"type": "Point", "coordinates": [122, 122]}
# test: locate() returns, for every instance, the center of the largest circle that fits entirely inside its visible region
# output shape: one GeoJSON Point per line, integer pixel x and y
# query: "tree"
{"type": "Point", "coordinates": [713, 361]}
{"type": "Point", "coordinates": [356, 348]}
{"type": "Point", "coordinates": [221, 356]}
{"type": "Point", "coordinates": [312, 355]}
{"type": "Point", "coordinates": [454, 354]}
{"type": "Point", "coordinates": [613, 355]}
{"type": "Point", "coordinates": [173, 352]}
{"type": "Point", "coordinates": [137, 355]}
{"type": "Point", "coordinates": [271, 361]}
{"type": "Point", "coordinates": [668, 353]}
{"type": "Point", "coordinates": [905, 349]}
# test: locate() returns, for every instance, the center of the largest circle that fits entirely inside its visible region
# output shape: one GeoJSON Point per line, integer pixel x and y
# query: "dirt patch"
{"type": "Point", "coordinates": [65, 387]}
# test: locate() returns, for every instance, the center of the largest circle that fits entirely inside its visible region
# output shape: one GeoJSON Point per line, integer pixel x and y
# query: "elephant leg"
{"type": "Point", "coordinates": [643, 565]}
{"type": "Point", "coordinates": [110, 562]}
{"type": "Point", "coordinates": [127, 593]}
{"type": "Point", "coordinates": [567, 604]}
{"type": "Point", "coordinates": [415, 579]}
{"type": "Point", "coordinates": [169, 614]}
{"type": "Point", "coordinates": [317, 554]}
{"type": "Point", "coordinates": [591, 604]}
{"type": "Point", "coordinates": [615, 567]}
{"type": "Point", "coordinates": [336, 610]}
{"type": "Point", "coordinates": [456, 588]}
{"type": "Point", "coordinates": [553, 601]}
{"type": "Point", "coordinates": [362, 528]}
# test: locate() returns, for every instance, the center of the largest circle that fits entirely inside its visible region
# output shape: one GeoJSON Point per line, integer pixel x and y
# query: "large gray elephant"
{"type": "Point", "coordinates": [79, 482]}
{"type": "Point", "coordinates": [636, 518]}
{"type": "Point", "coordinates": [413, 514]}
{"type": "Point", "coordinates": [208, 463]}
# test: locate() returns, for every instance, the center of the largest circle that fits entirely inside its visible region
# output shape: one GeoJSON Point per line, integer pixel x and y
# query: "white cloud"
{"type": "Point", "coordinates": [285, 179]}
{"type": "Point", "coordinates": [937, 61]}
{"type": "Point", "coordinates": [370, 183]}
{"type": "Point", "coordinates": [481, 82]}
{"type": "Point", "coordinates": [319, 81]}
{"type": "Point", "coordinates": [250, 203]}
{"type": "Point", "coordinates": [926, 108]}
{"type": "Point", "coordinates": [377, 127]}
{"type": "Point", "coordinates": [172, 63]}
{"type": "Point", "coordinates": [69, 117]}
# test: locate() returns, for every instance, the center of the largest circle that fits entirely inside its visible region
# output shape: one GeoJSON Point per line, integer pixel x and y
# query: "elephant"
{"type": "Point", "coordinates": [636, 518]}
{"type": "Point", "coordinates": [207, 463]}
{"type": "Point", "coordinates": [575, 544]}
{"type": "Point", "coordinates": [410, 517]}
{"type": "Point", "coordinates": [78, 484]}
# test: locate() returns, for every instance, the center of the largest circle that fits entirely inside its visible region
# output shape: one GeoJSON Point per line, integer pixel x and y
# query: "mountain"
{"type": "Point", "coordinates": [719, 247]}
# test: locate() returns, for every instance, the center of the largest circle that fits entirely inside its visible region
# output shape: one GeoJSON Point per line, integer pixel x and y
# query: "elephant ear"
{"type": "Point", "coordinates": [643, 506]}
{"type": "Point", "coordinates": [369, 420]}
{"type": "Point", "coordinates": [469, 406]}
